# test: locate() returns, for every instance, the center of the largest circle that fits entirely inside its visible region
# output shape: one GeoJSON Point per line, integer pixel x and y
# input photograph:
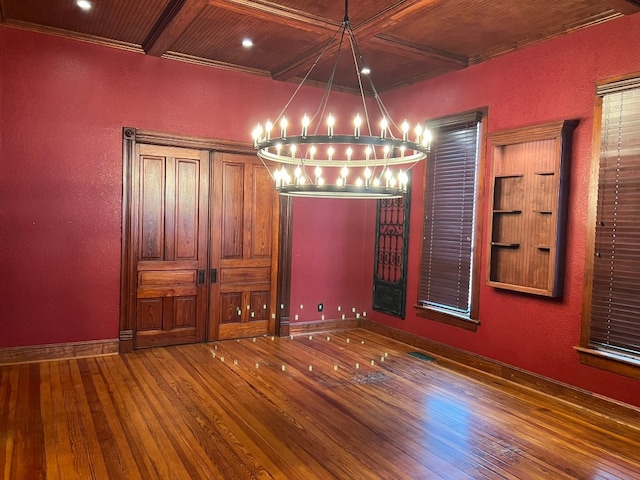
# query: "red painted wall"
{"type": "Point", "coordinates": [63, 106]}
{"type": "Point", "coordinates": [550, 81]}
{"type": "Point", "coordinates": [332, 258]}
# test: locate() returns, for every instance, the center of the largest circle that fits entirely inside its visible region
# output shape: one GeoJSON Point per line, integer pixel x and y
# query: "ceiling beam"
{"type": "Point", "coordinates": [171, 24]}
{"type": "Point", "coordinates": [626, 7]}
{"type": "Point", "coordinates": [270, 12]}
{"type": "Point", "coordinates": [418, 52]}
{"type": "Point", "coordinates": [367, 29]}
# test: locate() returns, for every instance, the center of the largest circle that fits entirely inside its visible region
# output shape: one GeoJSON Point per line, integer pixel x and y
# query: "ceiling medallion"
{"type": "Point", "coordinates": [361, 163]}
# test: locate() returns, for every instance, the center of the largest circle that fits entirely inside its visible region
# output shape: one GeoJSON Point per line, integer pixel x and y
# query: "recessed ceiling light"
{"type": "Point", "coordinates": [365, 71]}
{"type": "Point", "coordinates": [84, 4]}
{"type": "Point", "coordinates": [247, 43]}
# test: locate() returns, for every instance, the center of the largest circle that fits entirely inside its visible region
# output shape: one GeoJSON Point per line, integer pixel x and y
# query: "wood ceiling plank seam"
{"type": "Point", "coordinates": [295, 66]}
{"type": "Point", "coordinates": [100, 23]}
{"type": "Point", "coordinates": [127, 29]}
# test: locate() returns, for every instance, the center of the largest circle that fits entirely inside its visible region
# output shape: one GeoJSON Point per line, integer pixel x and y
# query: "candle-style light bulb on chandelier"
{"type": "Point", "coordinates": [317, 159]}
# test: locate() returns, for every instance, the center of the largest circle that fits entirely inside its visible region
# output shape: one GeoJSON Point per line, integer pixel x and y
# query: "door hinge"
{"type": "Point", "coordinates": [200, 277]}
{"type": "Point", "coordinates": [214, 275]}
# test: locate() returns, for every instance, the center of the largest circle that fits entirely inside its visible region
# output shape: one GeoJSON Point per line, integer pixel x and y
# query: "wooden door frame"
{"type": "Point", "coordinates": [132, 136]}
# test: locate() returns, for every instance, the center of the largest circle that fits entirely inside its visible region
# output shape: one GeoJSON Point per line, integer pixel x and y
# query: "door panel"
{"type": "Point", "coordinates": [232, 209]}
{"type": "Point", "coordinates": [243, 232]}
{"type": "Point", "coordinates": [172, 226]}
{"type": "Point", "coordinates": [262, 213]}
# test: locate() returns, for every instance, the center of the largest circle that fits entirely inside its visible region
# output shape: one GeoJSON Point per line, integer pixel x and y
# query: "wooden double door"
{"type": "Point", "coordinates": [203, 237]}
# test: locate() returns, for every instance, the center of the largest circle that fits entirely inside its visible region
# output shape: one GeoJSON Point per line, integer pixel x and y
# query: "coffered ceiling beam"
{"type": "Point", "coordinates": [418, 52]}
{"type": "Point", "coordinates": [175, 19]}
{"type": "Point", "coordinates": [280, 14]}
{"type": "Point", "coordinates": [367, 29]}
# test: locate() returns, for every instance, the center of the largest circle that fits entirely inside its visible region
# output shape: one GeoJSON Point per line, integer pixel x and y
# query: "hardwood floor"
{"type": "Point", "coordinates": [349, 405]}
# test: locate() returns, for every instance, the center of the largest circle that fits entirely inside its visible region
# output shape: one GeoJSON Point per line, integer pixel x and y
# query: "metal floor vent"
{"type": "Point", "coordinates": [422, 356]}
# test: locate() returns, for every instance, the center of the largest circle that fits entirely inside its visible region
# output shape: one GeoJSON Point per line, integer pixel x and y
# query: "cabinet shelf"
{"type": "Point", "coordinates": [529, 208]}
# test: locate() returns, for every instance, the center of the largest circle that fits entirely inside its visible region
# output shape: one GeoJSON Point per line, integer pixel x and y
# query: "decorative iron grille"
{"type": "Point", "coordinates": [392, 242]}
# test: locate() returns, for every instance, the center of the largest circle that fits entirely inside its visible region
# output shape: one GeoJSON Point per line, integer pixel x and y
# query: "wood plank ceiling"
{"type": "Point", "coordinates": [403, 41]}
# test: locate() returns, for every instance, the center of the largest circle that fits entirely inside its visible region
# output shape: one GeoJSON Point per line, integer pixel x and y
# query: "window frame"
{"type": "Point", "coordinates": [588, 354]}
{"type": "Point", "coordinates": [441, 315]}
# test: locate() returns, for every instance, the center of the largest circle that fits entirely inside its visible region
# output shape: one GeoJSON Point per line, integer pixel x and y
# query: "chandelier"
{"type": "Point", "coordinates": [365, 161]}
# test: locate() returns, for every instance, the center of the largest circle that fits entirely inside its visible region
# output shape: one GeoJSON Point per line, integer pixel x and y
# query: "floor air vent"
{"type": "Point", "coordinates": [422, 356]}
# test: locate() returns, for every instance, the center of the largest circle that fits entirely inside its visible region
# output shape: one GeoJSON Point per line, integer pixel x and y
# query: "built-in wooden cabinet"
{"type": "Point", "coordinates": [529, 187]}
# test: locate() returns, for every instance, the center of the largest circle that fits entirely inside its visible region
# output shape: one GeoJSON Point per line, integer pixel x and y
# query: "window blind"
{"type": "Point", "coordinates": [615, 309]}
{"type": "Point", "coordinates": [449, 218]}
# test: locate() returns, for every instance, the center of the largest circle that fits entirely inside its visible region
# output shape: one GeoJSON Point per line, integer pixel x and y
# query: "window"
{"type": "Point", "coordinates": [611, 313]}
{"type": "Point", "coordinates": [449, 273]}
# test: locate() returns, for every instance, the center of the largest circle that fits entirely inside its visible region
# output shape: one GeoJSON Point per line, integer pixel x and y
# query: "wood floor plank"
{"type": "Point", "coordinates": [219, 443]}
{"type": "Point", "coordinates": [140, 441]}
{"type": "Point", "coordinates": [309, 410]}
{"type": "Point", "coordinates": [164, 438]}
{"type": "Point", "coordinates": [366, 409]}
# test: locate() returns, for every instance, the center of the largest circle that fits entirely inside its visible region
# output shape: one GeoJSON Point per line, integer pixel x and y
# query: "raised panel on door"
{"type": "Point", "coordinates": [243, 232]}
{"type": "Point", "coordinates": [262, 225]}
{"type": "Point", "coordinates": [171, 261]}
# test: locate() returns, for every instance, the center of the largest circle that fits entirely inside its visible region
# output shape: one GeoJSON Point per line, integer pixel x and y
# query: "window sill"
{"type": "Point", "coordinates": [627, 366]}
{"type": "Point", "coordinates": [447, 318]}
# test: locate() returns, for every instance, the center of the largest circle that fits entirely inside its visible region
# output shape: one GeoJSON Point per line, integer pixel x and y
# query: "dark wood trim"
{"type": "Point", "coordinates": [446, 318]}
{"type": "Point", "coordinates": [185, 141]}
{"type": "Point", "coordinates": [592, 211]}
{"type": "Point", "coordinates": [321, 326]}
{"type": "Point", "coordinates": [82, 37]}
{"type": "Point", "coordinates": [285, 240]}
{"type": "Point", "coordinates": [418, 52]}
{"type": "Point", "coordinates": [627, 366]}
{"type": "Point", "coordinates": [270, 12]}
{"type": "Point", "coordinates": [126, 341]}
{"type": "Point", "coordinates": [478, 257]}
{"type": "Point", "coordinates": [58, 351]}
{"type": "Point", "coordinates": [172, 23]}
{"type": "Point", "coordinates": [587, 355]}
{"type": "Point", "coordinates": [127, 295]}
{"type": "Point", "coordinates": [452, 357]}
{"type": "Point", "coordinates": [616, 78]}
{"type": "Point", "coordinates": [533, 133]}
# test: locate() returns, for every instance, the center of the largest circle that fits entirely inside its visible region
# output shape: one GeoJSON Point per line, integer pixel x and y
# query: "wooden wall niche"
{"type": "Point", "coordinates": [527, 226]}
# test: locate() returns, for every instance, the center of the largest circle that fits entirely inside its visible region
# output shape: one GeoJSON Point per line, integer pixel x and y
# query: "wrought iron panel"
{"type": "Point", "coordinates": [392, 242]}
